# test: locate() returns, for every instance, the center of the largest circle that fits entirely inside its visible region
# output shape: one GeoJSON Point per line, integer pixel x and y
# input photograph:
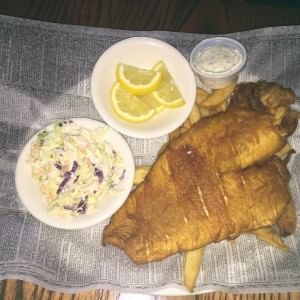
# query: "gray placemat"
{"type": "Point", "coordinates": [45, 74]}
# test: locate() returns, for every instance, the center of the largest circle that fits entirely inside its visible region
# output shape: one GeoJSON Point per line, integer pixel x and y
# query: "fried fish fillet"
{"type": "Point", "coordinates": [214, 182]}
{"type": "Point", "coordinates": [196, 208]}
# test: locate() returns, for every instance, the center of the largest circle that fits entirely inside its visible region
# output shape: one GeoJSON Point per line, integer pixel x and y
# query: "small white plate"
{"type": "Point", "coordinates": [143, 52]}
{"type": "Point", "coordinates": [29, 191]}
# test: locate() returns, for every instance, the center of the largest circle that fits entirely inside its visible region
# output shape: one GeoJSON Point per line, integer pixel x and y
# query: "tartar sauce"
{"type": "Point", "coordinates": [218, 60]}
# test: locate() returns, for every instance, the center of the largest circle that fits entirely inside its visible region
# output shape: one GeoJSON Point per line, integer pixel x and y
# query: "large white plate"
{"type": "Point", "coordinates": [143, 52]}
{"type": "Point", "coordinates": [29, 192]}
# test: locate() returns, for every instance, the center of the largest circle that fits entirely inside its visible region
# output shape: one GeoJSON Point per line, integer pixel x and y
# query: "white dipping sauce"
{"type": "Point", "coordinates": [218, 60]}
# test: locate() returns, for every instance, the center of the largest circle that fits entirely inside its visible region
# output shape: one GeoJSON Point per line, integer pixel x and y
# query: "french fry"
{"type": "Point", "coordinates": [283, 152]}
{"type": "Point", "coordinates": [222, 107]}
{"type": "Point", "coordinates": [140, 174]}
{"type": "Point", "coordinates": [195, 115]}
{"type": "Point", "coordinates": [187, 124]}
{"type": "Point", "coordinates": [201, 95]}
{"type": "Point", "coordinates": [268, 235]}
{"type": "Point", "coordinates": [192, 264]}
{"type": "Point", "coordinates": [218, 96]}
{"type": "Point", "coordinates": [208, 112]}
{"type": "Point", "coordinates": [279, 115]}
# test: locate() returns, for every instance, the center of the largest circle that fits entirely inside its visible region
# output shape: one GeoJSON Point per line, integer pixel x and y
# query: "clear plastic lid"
{"type": "Point", "coordinates": [220, 46]}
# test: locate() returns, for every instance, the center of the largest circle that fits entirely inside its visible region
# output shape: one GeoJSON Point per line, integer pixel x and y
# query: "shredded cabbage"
{"type": "Point", "coordinates": [75, 167]}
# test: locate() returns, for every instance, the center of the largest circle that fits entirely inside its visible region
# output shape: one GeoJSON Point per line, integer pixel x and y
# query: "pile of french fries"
{"type": "Point", "coordinates": [208, 104]}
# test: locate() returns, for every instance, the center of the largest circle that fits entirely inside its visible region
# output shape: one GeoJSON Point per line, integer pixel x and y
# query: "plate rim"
{"type": "Point", "coordinates": [21, 161]}
{"type": "Point", "coordinates": [116, 124]}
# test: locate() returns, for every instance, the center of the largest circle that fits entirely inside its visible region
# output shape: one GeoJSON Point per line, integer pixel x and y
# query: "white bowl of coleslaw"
{"type": "Point", "coordinates": [74, 173]}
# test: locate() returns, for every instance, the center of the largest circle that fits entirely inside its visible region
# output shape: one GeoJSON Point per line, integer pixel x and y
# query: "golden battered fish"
{"type": "Point", "coordinates": [214, 182]}
{"type": "Point", "coordinates": [196, 208]}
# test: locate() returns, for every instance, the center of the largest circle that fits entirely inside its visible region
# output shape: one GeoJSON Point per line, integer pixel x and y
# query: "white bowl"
{"type": "Point", "coordinates": [143, 52]}
{"type": "Point", "coordinates": [222, 79]}
{"type": "Point", "coordinates": [29, 191]}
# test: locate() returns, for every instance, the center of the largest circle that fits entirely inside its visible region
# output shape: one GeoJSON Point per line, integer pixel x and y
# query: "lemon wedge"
{"type": "Point", "coordinates": [168, 93]}
{"type": "Point", "coordinates": [151, 100]}
{"type": "Point", "coordinates": [160, 66]}
{"type": "Point", "coordinates": [129, 107]}
{"type": "Point", "coordinates": [136, 80]}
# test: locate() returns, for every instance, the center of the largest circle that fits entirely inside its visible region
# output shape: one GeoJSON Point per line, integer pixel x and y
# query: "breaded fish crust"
{"type": "Point", "coordinates": [214, 182]}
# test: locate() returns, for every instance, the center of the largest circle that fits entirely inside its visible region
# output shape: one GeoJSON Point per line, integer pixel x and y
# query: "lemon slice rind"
{"type": "Point", "coordinates": [168, 93]}
{"type": "Point", "coordinates": [129, 107]}
{"type": "Point", "coordinates": [136, 80]}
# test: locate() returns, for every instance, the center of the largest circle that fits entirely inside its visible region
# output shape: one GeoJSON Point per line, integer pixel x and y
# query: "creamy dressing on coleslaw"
{"type": "Point", "coordinates": [75, 167]}
{"type": "Point", "coordinates": [218, 60]}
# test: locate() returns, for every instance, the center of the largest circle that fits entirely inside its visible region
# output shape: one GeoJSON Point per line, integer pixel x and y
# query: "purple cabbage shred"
{"type": "Point", "coordinates": [80, 208]}
{"type": "Point", "coordinates": [72, 207]}
{"type": "Point", "coordinates": [67, 177]}
{"type": "Point", "coordinates": [75, 166]}
{"type": "Point", "coordinates": [99, 174]}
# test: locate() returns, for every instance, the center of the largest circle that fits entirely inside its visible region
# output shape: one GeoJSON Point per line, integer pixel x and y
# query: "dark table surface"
{"type": "Point", "coordinates": [198, 16]}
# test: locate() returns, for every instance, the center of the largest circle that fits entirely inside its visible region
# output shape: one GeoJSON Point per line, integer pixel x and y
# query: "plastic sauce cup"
{"type": "Point", "coordinates": [218, 79]}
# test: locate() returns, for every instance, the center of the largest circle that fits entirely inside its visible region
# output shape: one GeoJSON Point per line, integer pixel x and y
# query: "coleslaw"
{"type": "Point", "coordinates": [75, 167]}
